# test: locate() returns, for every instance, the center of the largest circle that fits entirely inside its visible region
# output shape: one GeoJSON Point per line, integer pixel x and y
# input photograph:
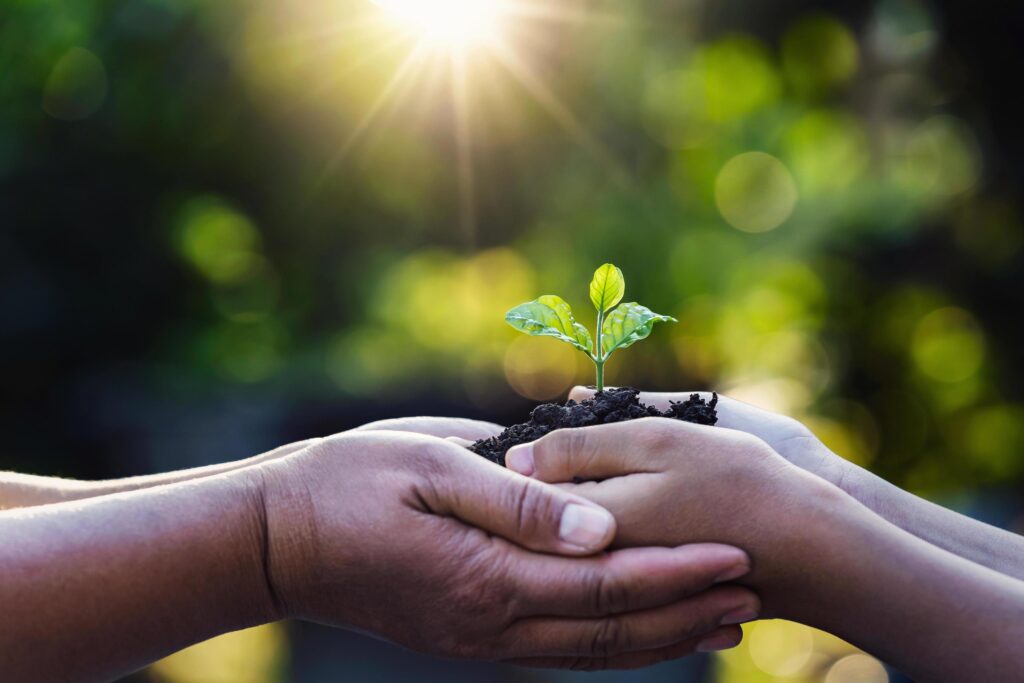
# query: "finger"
{"type": "Point", "coordinates": [719, 639]}
{"type": "Point", "coordinates": [527, 512]}
{"type": "Point", "coordinates": [287, 449]}
{"type": "Point", "coordinates": [620, 581]}
{"type": "Point", "coordinates": [619, 634]}
{"type": "Point", "coordinates": [599, 452]}
{"type": "Point", "coordinates": [464, 443]}
{"type": "Point", "coordinates": [471, 430]}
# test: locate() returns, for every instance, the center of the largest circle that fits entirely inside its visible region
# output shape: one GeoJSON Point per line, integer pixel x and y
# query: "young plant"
{"type": "Point", "coordinates": [617, 327]}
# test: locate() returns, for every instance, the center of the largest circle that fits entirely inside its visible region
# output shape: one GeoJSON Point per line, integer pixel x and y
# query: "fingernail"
{"type": "Point", "coordinates": [733, 573]}
{"type": "Point", "coordinates": [716, 643]}
{"type": "Point", "coordinates": [520, 459]}
{"type": "Point", "coordinates": [584, 527]}
{"type": "Point", "coordinates": [739, 616]}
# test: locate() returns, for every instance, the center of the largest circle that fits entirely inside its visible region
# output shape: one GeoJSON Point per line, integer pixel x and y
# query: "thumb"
{"type": "Point", "coordinates": [590, 453]}
{"type": "Point", "coordinates": [524, 511]}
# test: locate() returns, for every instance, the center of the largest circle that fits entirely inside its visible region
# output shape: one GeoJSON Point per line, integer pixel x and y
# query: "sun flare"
{"type": "Point", "coordinates": [455, 23]}
{"type": "Point", "coordinates": [465, 47]}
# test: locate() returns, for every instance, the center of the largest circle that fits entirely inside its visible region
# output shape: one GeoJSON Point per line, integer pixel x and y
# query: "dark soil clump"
{"type": "Point", "coordinates": [613, 405]}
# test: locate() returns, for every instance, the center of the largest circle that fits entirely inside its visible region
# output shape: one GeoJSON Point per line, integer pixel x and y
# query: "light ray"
{"type": "Point", "coordinates": [451, 23]}
{"type": "Point", "coordinates": [285, 41]}
{"type": "Point", "coordinates": [398, 79]}
{"type": "Point", "coordinates": [444, 50]}
{"type": "Point", "coordinates": [464, 152]}
{"type": "Point", "coordinates": [328, 31]}
{"type": "Point", "coordinates": [545, 12]}
{"type": "Point", "coordinates": [325, 85]}
{"type": "Point", "coordinates": [557, 110]}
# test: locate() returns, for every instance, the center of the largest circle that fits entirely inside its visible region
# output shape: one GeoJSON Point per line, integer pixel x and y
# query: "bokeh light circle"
{"type": "Point", "coordinates": [941, 158]}
{"type": "Point", "coordinates": [857, 668]}
{"type": "Point", "coordinates": [540, 369]}
{"type": "Point", "coordinates": [819, 52]}
{"type": "Point", "coordinates": [755, 192]}
{"type": "Point", "coordinates": [994, 440]}
{"type": "Point", "coordinates": [218, 240]}
{"type": "Point", "coordinates": [255, 654]}
{"type": "Point", "coordinates": [77, 86]}
{"type": "Point", "coordinates": [947, 345]}
{"type": "Point", "coordinates": [779, 648]}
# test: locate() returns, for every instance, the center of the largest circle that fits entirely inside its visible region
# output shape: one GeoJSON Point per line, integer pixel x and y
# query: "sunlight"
{"type": "Point", "coordinates": [454, 23]}
{"type": "Point", "coordinates": [466, 43]}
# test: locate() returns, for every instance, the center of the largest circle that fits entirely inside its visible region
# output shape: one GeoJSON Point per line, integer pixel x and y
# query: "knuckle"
{"type": "Point", "coordinates": [610, 595]}
{"type": "Point", "coordinates": [482, 616]}
{"type": "Point", "coordinates": [415, 454]}
{"type": "Point", "coordinates": [481, 585]}
{"type": "Point", "coordinates": [480, 573]}
{"type": "Point", "coordinates": [429, 477]}
{"type": "Point", "coordinates": [530, 506]}
{"type": "Point", "coordinates": [753, 444]}
{"type": "Point", "coordinates": [334, 446]}
{"type": "Point", "coordinates": [563, 445]}
{"type": "Point", "coordinates": [792, 427]}
{"type": "Point", "coordinates": [435, 456]}
{"type": "Point", "coordinates": [608, 638]}
{"type": "Point", "coordinates": [658, 433]}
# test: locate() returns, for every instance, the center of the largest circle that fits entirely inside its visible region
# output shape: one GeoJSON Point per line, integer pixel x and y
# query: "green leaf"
{"type": "Point", "coordinates": [628, 324]}
{"type": "Point", "coordinates": [550, 316]}
{"type": "Point", "coordinates": [607, 287]}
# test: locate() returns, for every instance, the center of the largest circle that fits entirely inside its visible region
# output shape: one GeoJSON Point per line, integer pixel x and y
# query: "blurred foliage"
{"type": "Point", "coordinates": [328, 202]}
{"type": "Point", "coordinates": [774, 651]}
{"type": "Point", "coordinates": [256, 655]}
{"type": "Point", "coordinates": [291, 207]}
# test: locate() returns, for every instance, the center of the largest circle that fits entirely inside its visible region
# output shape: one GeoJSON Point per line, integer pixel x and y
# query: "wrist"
{"type": "Point", "coordinates": [288, 533]}
{"type": "Point", "coordinates": [798, 540]}
{"type": "Point", "coordinates": [242, 531]}
{"type": "Point", "coordinates": [856, 482]}
{"type": "Point", "coordinates": [810, 454]}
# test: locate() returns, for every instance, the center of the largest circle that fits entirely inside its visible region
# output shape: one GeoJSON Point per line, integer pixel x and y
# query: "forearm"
{"type": "Point", "coordinates": [960, 535]}
{"type": "Point", "coordinates": [93, 590]}
{"type": "Point", "coordinates": [932, 614]}
{"type": "Point", "coordinates": [973, 540]}
{"type": "Point", "coordinates": [25, 490]}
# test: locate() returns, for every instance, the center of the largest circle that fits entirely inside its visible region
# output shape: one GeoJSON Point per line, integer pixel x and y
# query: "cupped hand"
{"type": "Point", "coordinates": [423, 543]}
{"type": "Point", "coordinates": [669, 482]}
{"type": "Point", "coordinates": [788, 437]}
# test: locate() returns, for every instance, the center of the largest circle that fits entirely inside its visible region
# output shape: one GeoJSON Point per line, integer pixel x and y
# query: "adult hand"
{"type": "Point", "coordinates": [430, 546]}
{"type": "Point", "coordinates": [21, 490]}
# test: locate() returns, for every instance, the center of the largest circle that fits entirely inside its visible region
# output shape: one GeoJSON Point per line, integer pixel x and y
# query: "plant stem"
{"type": "Point", "coordinates": [599, 352]}
{"type": "Point", "coordinates": [600, 376]}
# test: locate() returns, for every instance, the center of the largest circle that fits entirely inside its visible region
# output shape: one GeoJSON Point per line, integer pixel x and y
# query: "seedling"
{"type": "Point", "coordinates": [618, 326]}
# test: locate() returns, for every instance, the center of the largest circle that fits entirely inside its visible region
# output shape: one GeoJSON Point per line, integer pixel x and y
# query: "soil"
{"type": "Point", "coordinates": [613, 405]}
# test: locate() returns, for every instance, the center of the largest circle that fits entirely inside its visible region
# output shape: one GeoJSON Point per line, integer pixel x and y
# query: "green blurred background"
{"type": "Point", "coordinates": [231, 224]}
